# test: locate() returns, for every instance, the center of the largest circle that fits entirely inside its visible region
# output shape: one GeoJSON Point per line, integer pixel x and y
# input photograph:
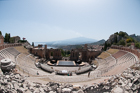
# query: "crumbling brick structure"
{"type": "Point", "coordinates": [43, 52]}
{"type": "Point", "coordinates": [83, 54]}
{"type": "Point", "coordinates": [1, 40]}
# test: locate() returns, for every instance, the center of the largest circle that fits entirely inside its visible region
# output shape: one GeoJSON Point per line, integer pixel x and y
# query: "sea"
{"type": "Point", "coordinates": [43, 43]}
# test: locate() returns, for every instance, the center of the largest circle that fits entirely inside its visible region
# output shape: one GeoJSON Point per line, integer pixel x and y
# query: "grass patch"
{"type": "Point", "coordinates": [112, 51]}
{"type": "Point", "coordinates": [22, 49]}
{"type": "Point", "coordinates": [103, 55]}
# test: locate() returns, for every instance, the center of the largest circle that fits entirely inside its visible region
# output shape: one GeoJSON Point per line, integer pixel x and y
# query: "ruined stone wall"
{"type": "Point", "coordinates": [38, 52]}
{"type": "Point", "coordinates": [93, 54]}
{"type": "Point", "coordinates": [74, 55]}
{"type": "Point", "coordinates": [86, 55]}
{"type": "Point", "coordinates": [46, 53]}
{"type": "Point", "coordinates": [57, 54]}
{"type": "Point", "coordinates": [1, 41]}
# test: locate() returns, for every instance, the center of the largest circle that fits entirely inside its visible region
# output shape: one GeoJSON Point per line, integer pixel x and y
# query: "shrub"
{"type": "Point", "coordinates": [137, 45]}
{"type": "Point", "coordinates": [122, 42]}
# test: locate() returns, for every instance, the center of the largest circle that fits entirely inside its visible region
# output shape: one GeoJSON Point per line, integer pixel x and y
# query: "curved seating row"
{"type": "Point", "coordinates": [121, 67]}
{"type": "Point", "coordinates": [1, 57]}
{"type": "Point", "coordinates": [106, 63]}
{"type": "Point", "coordinates": [124, 58]}
{"type": "Point", "coordinates": [119, 54]}
{"type": "Point", "coordinates": [47, 68]}
{"type": "Point", "coordinates": [27, 64]}
{"type": "Point", "coordinates": [12, 51]}
{"type": "Point", "coordinates": [112, 66]}
{"type": "Point", "coordinates": [63, 72]}
{"type": "Point", "coordinates": [83, 69]}
{"type": "Point", "coordinates": [9, 53]}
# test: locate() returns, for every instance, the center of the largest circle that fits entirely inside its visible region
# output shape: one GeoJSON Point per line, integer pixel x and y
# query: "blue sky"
{"type": "Point", "coordinates": [52, 20]}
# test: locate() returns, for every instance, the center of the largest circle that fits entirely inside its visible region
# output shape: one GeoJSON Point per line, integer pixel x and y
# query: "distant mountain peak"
{"type": "Point", "coordinates": [72, 41]}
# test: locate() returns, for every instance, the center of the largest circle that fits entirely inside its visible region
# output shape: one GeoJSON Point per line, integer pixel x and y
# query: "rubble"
{"type": "Point", "coordinates": [127, 82]}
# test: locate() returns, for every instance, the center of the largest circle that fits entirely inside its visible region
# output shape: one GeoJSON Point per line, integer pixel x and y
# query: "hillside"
{"type": "Point", "coordinates": [100, 42]}
{"type": "Point", "coordinates": [78, 46]}
{"type": "Point", "coordinates": [123, 39]}
{"type": "Point", "coordinates": [137, 38]}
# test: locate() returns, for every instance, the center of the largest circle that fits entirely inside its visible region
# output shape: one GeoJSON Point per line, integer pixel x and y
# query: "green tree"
{"type": "Point", "coordinates": [128, 44]}
{"type": "Point", "coordinates": [32, 43]}
{"type": "Point", "coordinates": [137, 45]}
{"type": "Point", "coordinates": [0, 33]}
{"type": "Point", "coordinates": [11, 40]}
{"type": "Point", "coordinates": [105, 46]}
{"type": "Point", "coordinates": [51, 53]}
{"type": "Point", "coordinates": [116, 41]}
{"type": "Point", "coordinates": [116, 33]}
{"type": "Point", "coordinates": [7, 38]}
{"type": "Point", "coordinates": [122, 42]}
{"type": "Point", "coordinates": [62, 52]}
{"type": "Point", "coordinates": [121, 33]}
{"type": "Point", "coordinates": [68, 52]}
{"type": "Point", "coordinates": [65, 54]}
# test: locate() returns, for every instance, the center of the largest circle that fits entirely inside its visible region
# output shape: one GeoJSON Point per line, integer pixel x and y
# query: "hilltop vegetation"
{"type": "Point", "coordinates": [122, 38]}
{"type": "Point", "coordinates": [137, 38]}
{"type": "Point", "coordinates": [9, 39]}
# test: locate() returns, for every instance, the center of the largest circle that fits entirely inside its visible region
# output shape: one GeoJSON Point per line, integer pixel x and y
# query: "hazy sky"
{"type": "Point", "coordinates": [51, 20]}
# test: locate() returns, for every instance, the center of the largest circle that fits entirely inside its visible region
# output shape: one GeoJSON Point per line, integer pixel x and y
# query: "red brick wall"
{"type": "Point", "coordinates": [134, 51]}
{"type": "Point", "coordinates": [9, 45]}
{"type": "Point", "coordinates": [1, 41]}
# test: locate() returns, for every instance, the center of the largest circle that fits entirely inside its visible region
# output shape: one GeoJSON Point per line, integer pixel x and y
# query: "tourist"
{"type": "Point", "coordinates": [88, 73]}
{"type": "Point", "coordinates": [37, 73]}
{"type": "Point", "coordinates": [79, 67]}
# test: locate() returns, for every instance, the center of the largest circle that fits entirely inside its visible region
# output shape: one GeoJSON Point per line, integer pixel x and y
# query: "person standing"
{"type": "Point", "coordinates": [37, 73]}
{"type": "Point", "coordinates": [88, 73]}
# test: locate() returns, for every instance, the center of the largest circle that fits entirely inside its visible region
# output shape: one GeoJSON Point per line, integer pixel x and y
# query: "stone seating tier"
{"type": "Point", "coordinates": [83, 69]}
{"type": "Point", "coordinates": [12, 51]}
{"type": "Point", "coordinates": [46, 68]}
{"type": "Point", "coordinates": [9, 53]}
{"type": "Point", "coordinates": [63, 72]}
{"type": "Point", "coordinates": [119, 54]}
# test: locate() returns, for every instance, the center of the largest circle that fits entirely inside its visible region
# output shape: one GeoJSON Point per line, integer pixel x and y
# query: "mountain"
{"type": "Point", "coordinates": [69, 47]}
{"type": "Point", "coordinates": [73, 41]}
{"type": "Point", "coordinates": [100, 42]}
{"type": "Point", "coordinates": [123, 39]}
